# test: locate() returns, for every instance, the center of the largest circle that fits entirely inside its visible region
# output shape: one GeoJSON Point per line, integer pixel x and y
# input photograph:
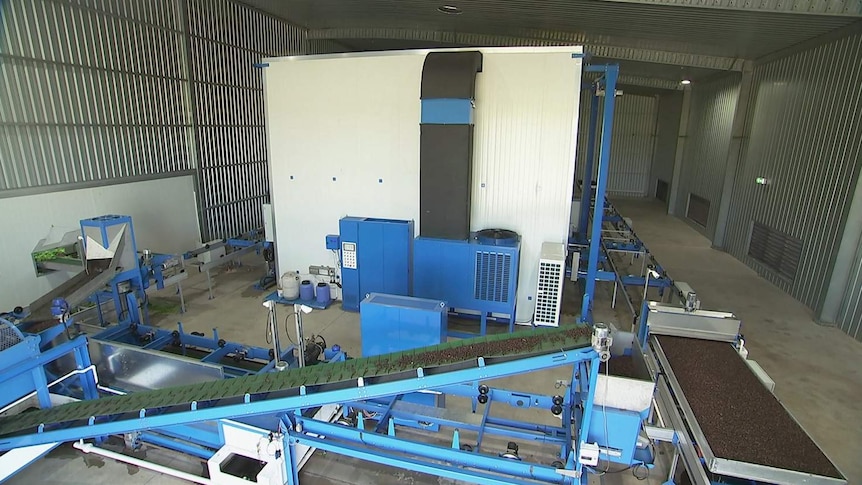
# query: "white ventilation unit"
{"type": "Point", "coordinates": [549, 293]}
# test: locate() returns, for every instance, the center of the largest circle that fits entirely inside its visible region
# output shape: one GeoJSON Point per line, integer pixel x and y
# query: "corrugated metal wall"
{"type": "Point", "coordinates": [705, 155]}
{"type": "Point", "coordinates": [850, 315]}
{"type": "Point", "coordinates": [91, 91]}
{"type": "Point", "coordinates": [226, 40]}
{"type": "Point", "coordinates": [98, 92]}
{"type": "Point", "coordinates": [667, 132]}
{"type": "Point", "coordinates": [323, 46]}
{"type": "Point", "coordinates": [804, 134]}
{"type": "Point", "coordinates": [632, 143]}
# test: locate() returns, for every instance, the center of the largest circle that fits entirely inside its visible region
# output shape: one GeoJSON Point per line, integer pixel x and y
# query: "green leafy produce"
{"type": "Point", "coordinates": [49, 255]}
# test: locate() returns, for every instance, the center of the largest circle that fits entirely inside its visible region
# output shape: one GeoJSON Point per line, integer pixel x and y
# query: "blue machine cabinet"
{"type": "Point", "coordinates": [469, 275]}
{"type": "Point", "coordinates": [392, 323]}
{"type": "Point", "coordinates": [376, 257]}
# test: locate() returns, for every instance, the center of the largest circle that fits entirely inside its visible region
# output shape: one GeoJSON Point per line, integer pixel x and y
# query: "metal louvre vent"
{"type": "Point", "coordinates": [547, 298]}
{"type": "Point", "coordinates": [698, 209]}
{"type": "Point", "coordinates": [661, 190]}
{"type": "Point", "coordinates": [776, 250]}
{"type": "Point", "coordinates": [492, 276]}
{"type": "Point", "coordinates": [549, 291]}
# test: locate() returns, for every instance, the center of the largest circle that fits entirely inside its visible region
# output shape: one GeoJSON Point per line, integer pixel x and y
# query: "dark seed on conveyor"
{"type": "Point", "coordinates": [450, 353]}
{"type": "Point", "coordinates": [740, 418]}
{"type": "Point", "coordinates": [621, 366]}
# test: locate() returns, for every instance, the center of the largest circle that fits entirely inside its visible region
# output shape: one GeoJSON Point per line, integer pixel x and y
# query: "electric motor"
{"type": "Point", "coordinates": [602, 340]}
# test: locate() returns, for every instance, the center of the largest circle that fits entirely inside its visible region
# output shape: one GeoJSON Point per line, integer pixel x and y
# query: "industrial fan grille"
{"type": "Point", "coordinates": [492, 276]}
{"type": "Point", "coordinates": [549, 292]}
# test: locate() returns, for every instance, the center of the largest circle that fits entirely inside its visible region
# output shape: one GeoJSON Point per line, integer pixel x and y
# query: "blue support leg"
{"type": "Point", "coordinates": [41, 385]}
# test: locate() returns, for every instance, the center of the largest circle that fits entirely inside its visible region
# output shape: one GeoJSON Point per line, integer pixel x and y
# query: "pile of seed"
{"type": "Point", "coordinates": [740, 418]}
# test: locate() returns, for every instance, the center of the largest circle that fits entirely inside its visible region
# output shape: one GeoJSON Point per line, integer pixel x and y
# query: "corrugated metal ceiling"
{"type": "Point", "coordinates": [725, 32]}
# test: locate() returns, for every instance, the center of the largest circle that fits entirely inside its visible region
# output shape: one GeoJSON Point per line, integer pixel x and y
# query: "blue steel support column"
{"type": "Point", "coordinates": [41, 385]}
{"type": "Point", "coordinates": [291, 463]}
{"type": "Point", "coordinates": [591, 395]}
{"type": "Point", "coordinates": [586, 186]}
{"type": "Point", "coordinates": [610, 84]}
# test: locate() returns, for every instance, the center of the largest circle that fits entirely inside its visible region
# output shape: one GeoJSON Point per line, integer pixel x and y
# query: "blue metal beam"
{"type": "Point", "coordinates": [475, 465]}
{"type": "Point", "coordinates": [587, 184]}
{"type": "Point", "coordinates": [610, 83]}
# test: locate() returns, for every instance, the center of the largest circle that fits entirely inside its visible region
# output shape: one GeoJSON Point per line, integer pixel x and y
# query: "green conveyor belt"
{"type": "Point", "coordinates": [522, 343]}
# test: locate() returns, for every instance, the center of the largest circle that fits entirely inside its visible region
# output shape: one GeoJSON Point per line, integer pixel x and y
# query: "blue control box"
{"type": "Point", "coordinates": [333, 241]}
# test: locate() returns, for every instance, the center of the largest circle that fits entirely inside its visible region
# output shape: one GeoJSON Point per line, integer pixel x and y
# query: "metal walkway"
{"type": "Point", "coordinates": [358, 379]}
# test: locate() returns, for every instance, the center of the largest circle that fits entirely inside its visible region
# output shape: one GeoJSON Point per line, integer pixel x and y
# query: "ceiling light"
{"type": "Point", "coordinates": [449, 10]}
{"type": "Point", "coordinates": [685, 82]}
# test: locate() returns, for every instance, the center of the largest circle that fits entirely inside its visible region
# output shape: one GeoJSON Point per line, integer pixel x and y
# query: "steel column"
{"type": "Point", "coordinates": [851, 239]}
{"type": "Point", "coordinates": [734, 153]}
{"type": "Point", "coordinates": [587, 184]}
{"type": "Point", "coordinates": [680, 151]}
{"type": "Point", "coordinates": [610, 83]}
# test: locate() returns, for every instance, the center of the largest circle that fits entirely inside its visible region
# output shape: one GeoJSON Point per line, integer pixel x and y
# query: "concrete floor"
{"type": "Point", "coordinates": [817, 370]}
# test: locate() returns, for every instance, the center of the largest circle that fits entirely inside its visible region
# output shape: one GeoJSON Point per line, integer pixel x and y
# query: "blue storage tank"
{"type": "Point", "coordinates": [376, 257]}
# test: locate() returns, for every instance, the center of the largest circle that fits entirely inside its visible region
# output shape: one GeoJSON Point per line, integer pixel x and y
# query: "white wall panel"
{"type": "Point", "coordinates": [524, 159]}
{"type": "Point", "coordinates": [338, 125]}
{"type": "Point", "coordinates": [335, 129]}
{"type": "Point", "coordinates": [163, 212]}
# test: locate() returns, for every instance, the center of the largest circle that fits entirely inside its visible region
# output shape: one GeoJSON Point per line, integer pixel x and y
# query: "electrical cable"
{"type": "Point", "coordinates": [605, 413]}
{"type": "Point", "coordinates": [286, 327]}
{"type": "Point", "coordinates": [268, 330]}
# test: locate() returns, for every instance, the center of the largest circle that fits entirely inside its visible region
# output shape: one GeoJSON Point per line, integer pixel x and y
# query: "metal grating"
{"type": "Point", "coordinates": [698, 209]}
{"type": "Point", "coordinates": [492, 276]}
{"type": "Point", "coordinates": [777, 251]}
{"type": "Point", "coordinates": [9, 336]}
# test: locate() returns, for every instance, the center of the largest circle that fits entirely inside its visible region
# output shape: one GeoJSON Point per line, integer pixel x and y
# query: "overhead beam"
{"type": "Point", "coordinates": [643, 81]}
{"type": "Point", "coordinates": [836, 8]}
{"type": "Point", "coordinates": [595, 45]}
